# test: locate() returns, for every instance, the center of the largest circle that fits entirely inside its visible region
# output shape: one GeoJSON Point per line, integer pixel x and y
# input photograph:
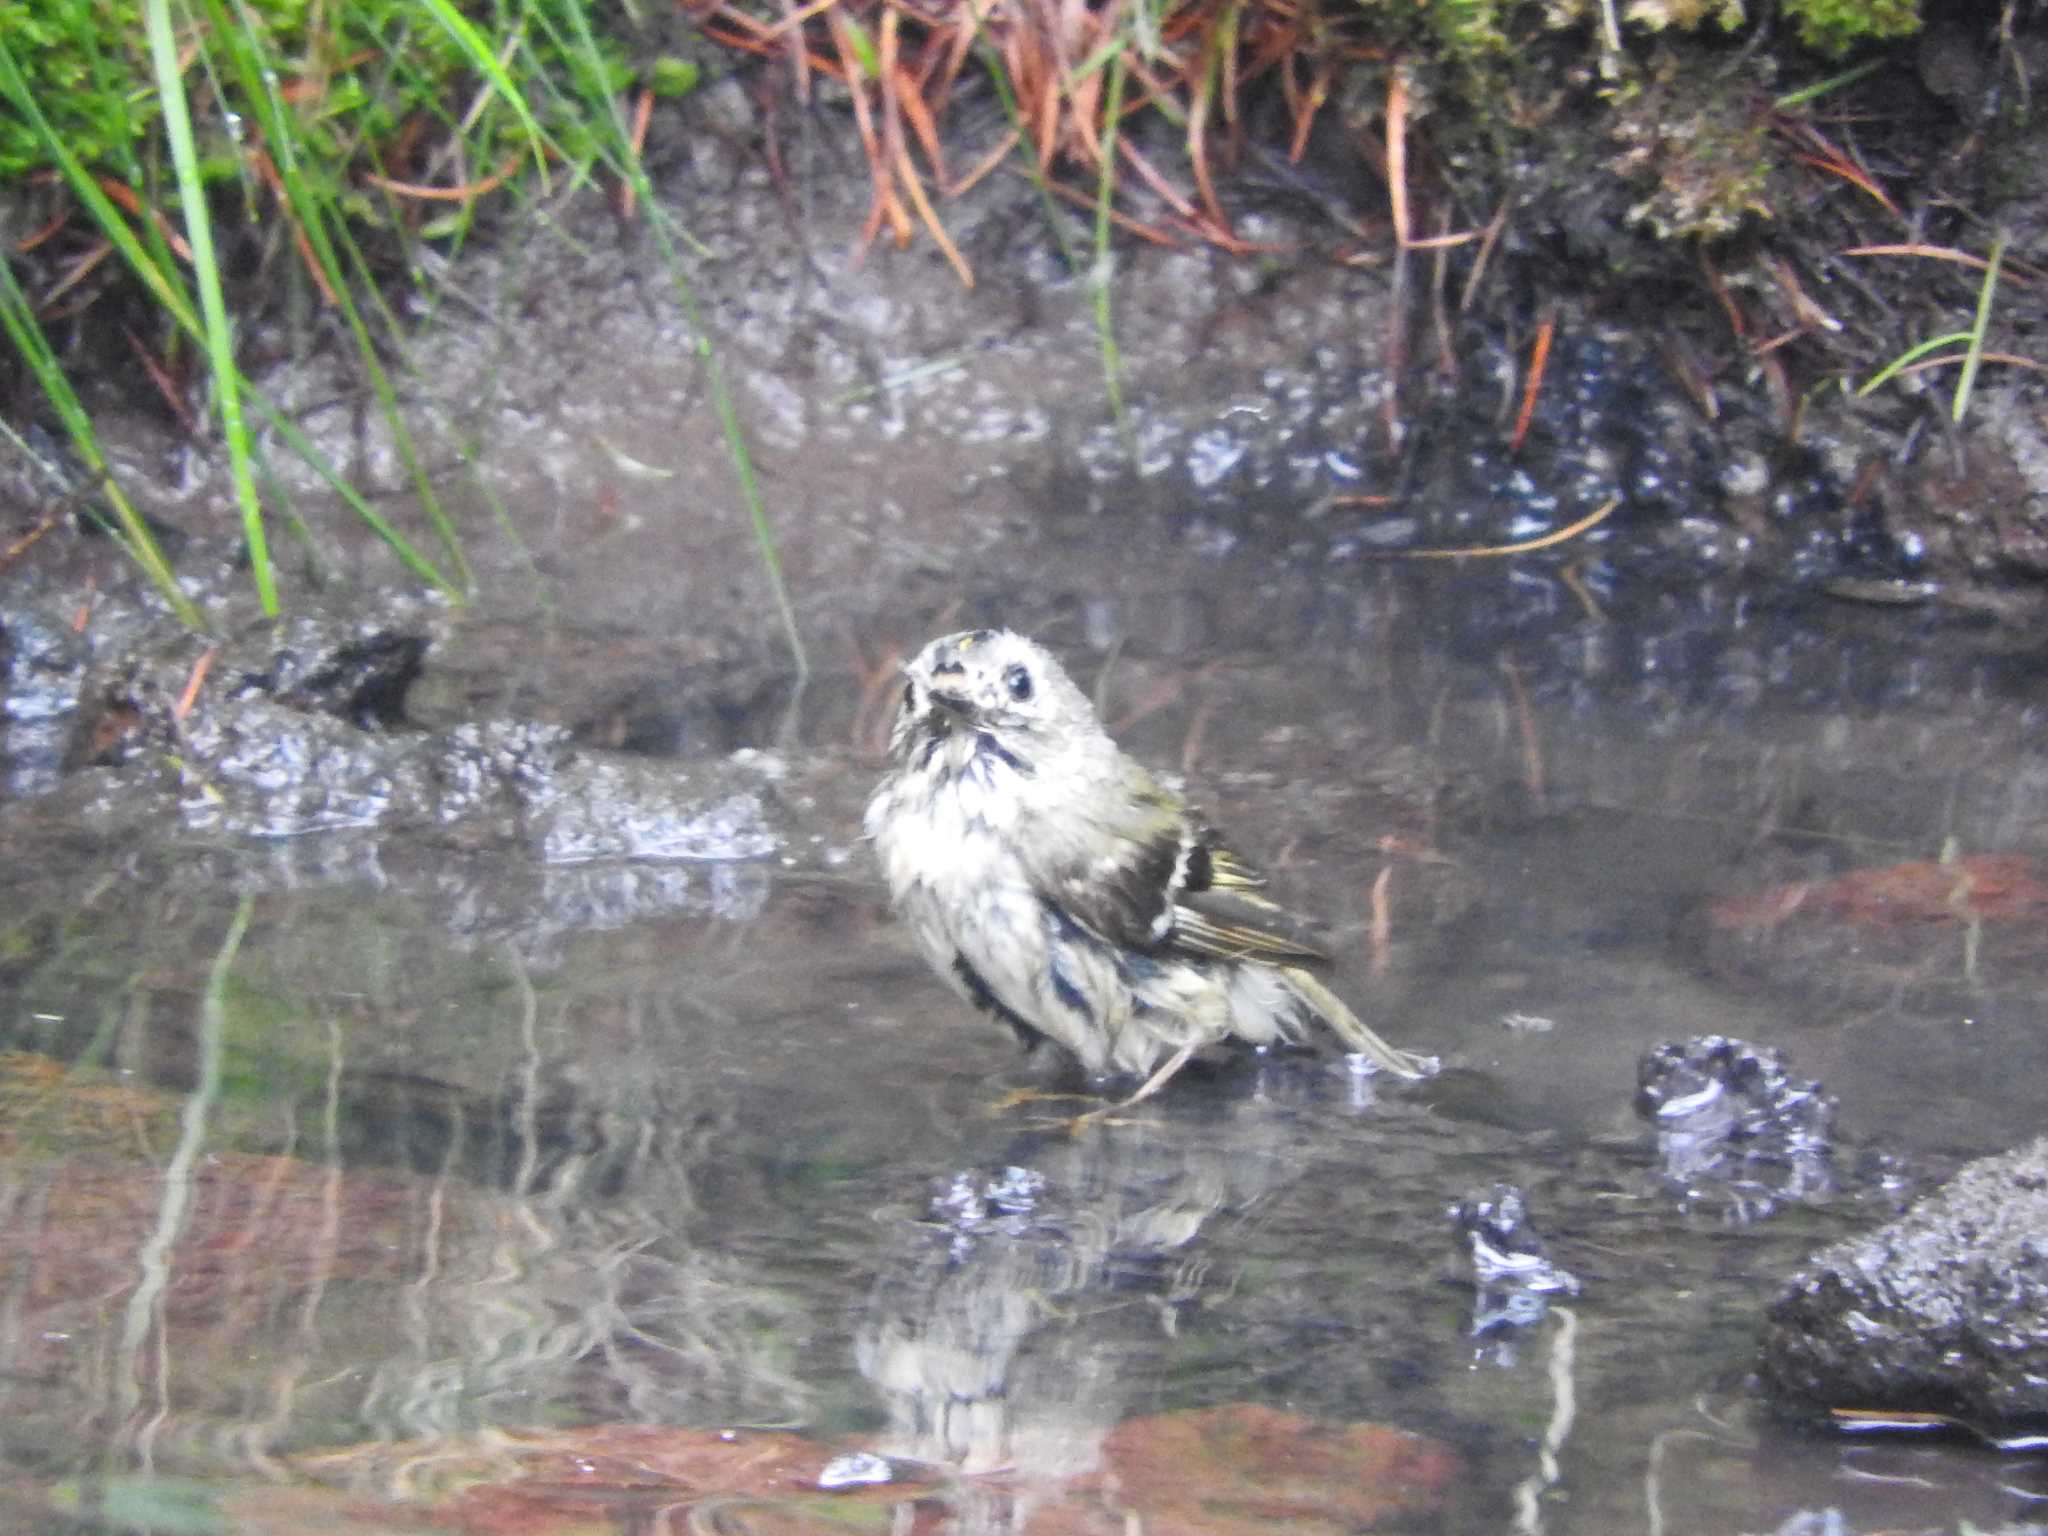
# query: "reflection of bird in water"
{"type": "Point", "coordinates": [1059, 887]}
{"type": "Point", "coordinates": [1028, 1311]}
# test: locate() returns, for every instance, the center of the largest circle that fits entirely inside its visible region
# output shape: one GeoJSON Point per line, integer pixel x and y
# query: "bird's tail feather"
{"type": "Point", "coordinates": [1352, 1030]}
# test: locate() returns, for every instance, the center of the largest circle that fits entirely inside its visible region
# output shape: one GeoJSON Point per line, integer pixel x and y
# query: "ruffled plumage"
{"type": "Point", "coordinates": [1059, 887]}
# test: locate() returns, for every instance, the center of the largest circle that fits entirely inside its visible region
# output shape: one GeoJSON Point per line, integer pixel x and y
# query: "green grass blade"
{"type": "Point", "coordinates": [1909, 357]}
{"type": "Point", "coordinates": [1978, 327]}
{"type": "Point", "coordinates": [227, 378]}
{"type": "Point", "coordinates": [313, 213]}
{"type": "Point", "coordinates": [161, 280]}
{"type": "Point", "coordinates": [375, 521]}
{"type": "Point", "coordinates": [1820, 88]}
{"type": "Point", "coordinates": [17, 318]}
{"type": "Point", "coordinates": [485, 61]}
{"type": "Point", "coordinates": [1103, 271]}
{"type": "Point", "coordinates": [620, 154]}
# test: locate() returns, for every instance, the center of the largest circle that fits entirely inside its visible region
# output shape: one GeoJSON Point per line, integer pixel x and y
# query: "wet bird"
{"type": "Point", "coordinates": [1062, 889]}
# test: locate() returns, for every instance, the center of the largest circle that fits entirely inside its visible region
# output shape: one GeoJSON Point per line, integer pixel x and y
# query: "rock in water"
{"type": "Point", "coordinates": [1945, 1310]}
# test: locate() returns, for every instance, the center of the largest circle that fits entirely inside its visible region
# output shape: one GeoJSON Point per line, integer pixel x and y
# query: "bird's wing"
{"type": "Point", "coordinates": [1159, 882]}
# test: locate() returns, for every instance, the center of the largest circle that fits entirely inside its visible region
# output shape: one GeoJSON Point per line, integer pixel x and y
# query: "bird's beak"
{"type": "Point", "coordinates": [953, 703]}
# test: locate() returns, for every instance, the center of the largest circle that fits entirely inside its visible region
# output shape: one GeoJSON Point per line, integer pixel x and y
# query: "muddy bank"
{"type": "Point", "coordinates": [1325, 408]}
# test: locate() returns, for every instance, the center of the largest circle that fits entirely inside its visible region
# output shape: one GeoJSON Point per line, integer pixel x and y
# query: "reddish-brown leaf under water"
{"type": "Point", "coordinates": [1986, 888]}
{"type": "Point", "coordinates": [1239, 1468]}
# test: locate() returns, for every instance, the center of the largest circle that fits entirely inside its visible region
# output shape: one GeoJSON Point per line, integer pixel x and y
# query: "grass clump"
{"type": "Point", "coordinates": [309, 147]}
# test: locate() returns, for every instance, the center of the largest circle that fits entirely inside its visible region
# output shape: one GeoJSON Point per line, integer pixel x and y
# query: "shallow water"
{"type": "Point", "coordinates": [349, 1158]}
{"type": "Point", "coordinates": [336, 1168]}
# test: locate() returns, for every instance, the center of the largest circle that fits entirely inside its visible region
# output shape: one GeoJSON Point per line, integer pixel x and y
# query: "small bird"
{"type": "Point", "coordinates": [1062, 889]}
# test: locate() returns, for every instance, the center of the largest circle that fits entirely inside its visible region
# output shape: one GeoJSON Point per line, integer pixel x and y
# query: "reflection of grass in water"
{"type": "Point", "coordinates": [309, 1304]}
{"type": "Point", "coordinates": [476, 1258]}
{"type": "Point", "coordinates": [565, 1297]}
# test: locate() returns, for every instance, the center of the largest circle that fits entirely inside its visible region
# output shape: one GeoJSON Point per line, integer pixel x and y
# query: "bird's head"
{"type": "Point", "coordinates": [989, 690]}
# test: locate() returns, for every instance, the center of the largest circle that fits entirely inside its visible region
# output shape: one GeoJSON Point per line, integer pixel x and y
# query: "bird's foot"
{"type": "Point", "coordinates": [1107, 1114]}
{"type": "Point", "coordinates": [1020, 1096]}
{"type": "Point", "coordinates": [1104, 1113]}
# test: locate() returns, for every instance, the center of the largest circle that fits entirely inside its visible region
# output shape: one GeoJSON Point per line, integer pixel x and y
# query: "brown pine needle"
{"type": "Point", "coordinates": [1168, 193]}
{"type": "Point", "coordinates": [1198, 152]}
{"type": "Point", "coordinates": [80, 271]}
{"type": "Point", "coordinates": [467, 192]}
{"type": "Point", "coordinates": [1488, 239]}
{"type": "Point", "coordinates": [789, 22]}
{"type": "Point", "coordinates": [1928, 363]}
{"type": "Point", "coordinates": [919, 116]}
{"type": "Point", "coordinates": [1932, 252]}
{"type": "Point", "coordinates": [1446, 242]}
{"type": "Point", "coordinates": [1489, 551]}
{"type": "Point", "coordinates": [1539, 359]}
{"type": "Point", "coordinates": [1809, 313]}
{"type": "Point", "coordinates": [1381, 928]}
{"type": "Point", "coordinates": [122, 195]}
{"type": "Point", "coordinates": [915, 187]}
{"type": "Point", "coordinates": [987, 163]}
{"type": "Point", "coordinates": [1124, 221]}
{"type": "Point", "coordinates": [1718, 286]}
{"type": "Point", "coordinates": [1856, 176]}
{"type": "Point", "coordinates": [190, 696]}
{"type": "Point", "coordinates": [882, 203]}
{"type": "Point", "coordinates": [36, 237]}
{"type": "Point", "coordinates": [643, 110]}
{"type": "Point", "coordinates": [1397, 151]}
{"type": "Point", "coordinates": [2006, 273]}
{"type": "Point", "coordinates": [27, 541]}
{"type": "Point", "coordinates": [266, 172]}
{"type": "Point", "coordinates": [891, 118]}
{"type": "Point", "coordinates": [1312, 103]}
{"type": "Point", "coordinates": [160, 376]}
{"type": "Point", "coordinates": [1439, 276]}
{"type": "Point", "coordinates": [800, 56]}
{"type": "Point", "coordinates": [1573, 578]}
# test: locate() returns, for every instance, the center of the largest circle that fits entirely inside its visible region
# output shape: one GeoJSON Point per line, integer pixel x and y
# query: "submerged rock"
{"type": "Point", "coordinates": [1736, 1126]}
{"type": "Point", "coordinates": [1945, 1310]}
{"type": "Point", "coordinates": [1513, 1274]}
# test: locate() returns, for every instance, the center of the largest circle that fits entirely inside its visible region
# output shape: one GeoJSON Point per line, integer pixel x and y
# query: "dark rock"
{"type": "Point", "coordinates": [357, 677]}
{"type": "Point", "coordinates": [1944, 1311]}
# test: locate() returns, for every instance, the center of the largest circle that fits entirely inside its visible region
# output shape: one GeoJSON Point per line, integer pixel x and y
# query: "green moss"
{"type": "Point", "coordinates": [1835, 26]}
{"type": "Point", "coordinates": [1831, 26]}
{"type": "Point", "coordinates": [78, 69]}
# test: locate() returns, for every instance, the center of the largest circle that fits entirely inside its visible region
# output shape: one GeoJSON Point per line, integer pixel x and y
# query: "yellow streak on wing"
{"type": "Point", "coordinates": [1228, 872]}
{"type": "Point", "coordinates": [1238, 941]}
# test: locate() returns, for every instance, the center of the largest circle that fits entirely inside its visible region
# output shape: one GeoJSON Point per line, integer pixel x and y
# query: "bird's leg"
{"type": "Point", "coordinates": [1158, 1080]}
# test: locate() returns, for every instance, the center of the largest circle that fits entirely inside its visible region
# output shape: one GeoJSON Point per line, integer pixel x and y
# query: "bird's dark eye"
{"type": "Point", "coordinates": [910, 695]}
{"type": "Point", "coordinates": [1018, 681]}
